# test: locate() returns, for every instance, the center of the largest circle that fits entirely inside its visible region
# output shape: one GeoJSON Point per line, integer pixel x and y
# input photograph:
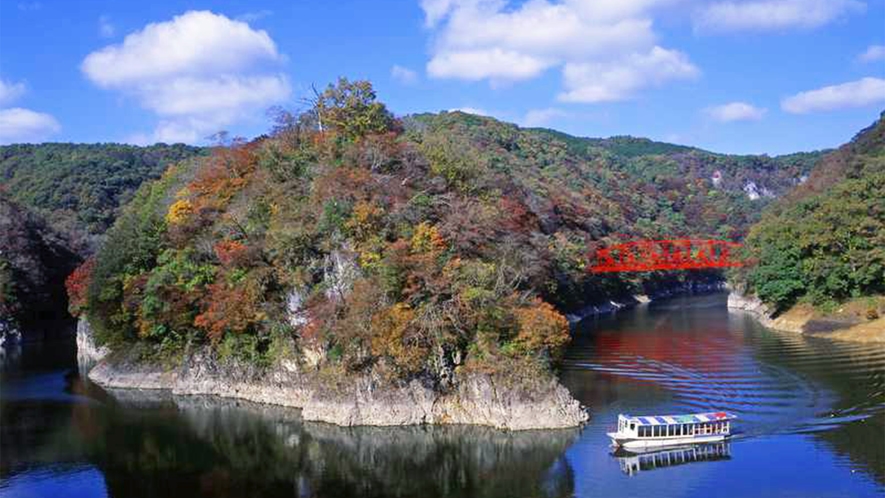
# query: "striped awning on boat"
{"type": "Point", "coordinates": [682, 419]}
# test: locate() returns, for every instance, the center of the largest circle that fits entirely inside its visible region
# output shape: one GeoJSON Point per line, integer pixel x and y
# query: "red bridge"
{"type": "Point", "coordinates": [680, 254]}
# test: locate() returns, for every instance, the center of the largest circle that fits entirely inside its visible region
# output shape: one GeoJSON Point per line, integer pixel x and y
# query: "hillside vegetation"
{"type": "Point", "coordinates": [406, 248]}
{"type": "Point", "coordinates": [81, 186]}
{"type": "Point", "coordinates": [825, 242]}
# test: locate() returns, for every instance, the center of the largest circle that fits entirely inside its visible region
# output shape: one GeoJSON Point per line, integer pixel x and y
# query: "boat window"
{"type": "Point", "coordinates": [632, 427]}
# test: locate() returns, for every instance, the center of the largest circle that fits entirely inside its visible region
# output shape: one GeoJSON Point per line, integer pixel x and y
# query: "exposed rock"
{"type": "Point", "coordinates": [340, 271]}
{"type": "Point", "coordinates": [475, 399]}
{"type": "Point", "coordinates": [10, 343]}
{"type": "Point", "coordinates": [603, 308]}
{"type": "Point", "coordinates": [752, 190]}
{"type": "Point", "coordinates": [88, 352]}
{"type": "Point", "coordinates": [295, 314]}
{"type": "Point", "coordinates": [9, 333]}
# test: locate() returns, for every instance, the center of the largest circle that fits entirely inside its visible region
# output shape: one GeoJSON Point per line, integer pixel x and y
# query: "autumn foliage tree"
{"type": "Point", "coordinates": [77, 285]}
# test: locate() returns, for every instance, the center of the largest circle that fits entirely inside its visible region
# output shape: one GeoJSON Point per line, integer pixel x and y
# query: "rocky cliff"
{"type": "Point", "coordinates": [475, 398]}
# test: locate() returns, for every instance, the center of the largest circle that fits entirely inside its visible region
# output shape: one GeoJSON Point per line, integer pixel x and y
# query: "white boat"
{"type": "Point", "coordinates": [643, 433]}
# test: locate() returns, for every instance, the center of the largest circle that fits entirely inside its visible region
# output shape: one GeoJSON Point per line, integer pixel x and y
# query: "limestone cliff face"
{"type": "Point", "coordinates": [476, 399]}
{"type": "Point", "coordinates": [88, 352]}
{"type": "Point", "coordinates": [739, 302]}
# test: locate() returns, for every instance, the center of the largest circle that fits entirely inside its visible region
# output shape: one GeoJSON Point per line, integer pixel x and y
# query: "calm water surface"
{"type": "Point", "coordinates": [812, 424]}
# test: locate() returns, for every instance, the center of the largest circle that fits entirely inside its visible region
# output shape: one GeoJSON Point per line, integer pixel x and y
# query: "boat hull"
{"type": "Point", "coordinates": [640, 444]}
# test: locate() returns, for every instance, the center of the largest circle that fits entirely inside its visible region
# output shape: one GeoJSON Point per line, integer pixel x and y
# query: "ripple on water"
{"type": "Point", "coordinates": [775, 383]}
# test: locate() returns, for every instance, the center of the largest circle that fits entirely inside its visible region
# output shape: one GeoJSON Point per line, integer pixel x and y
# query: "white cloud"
{"type": "Point", "coordinates": [735, 111]}
{"type": "Point", "coordinates": [493, 40]}
{"type": "Point", "coordinates": [403, 75]}
{"type": "Point", "coordinates": [860, 93]}
{"type": "Point", "coordinates": [105, 28]}
{"type": "Point", "coordinates": [194, 43]}
{"type": "Point", "coordinates": [760, 15]}
{"type": "Point", "coordinates": [10, 91]}
{"type": "Point", "coordinates": [200, 72]}
{"type": "Point", "coordinates": [621, 80]}
{"type": "Point", "coordinates": [188, 95]}
{"type": "Point", "coordinates": [495, 64]}
{"type": "Point", "coordinates": [542, 117]}
{"type": "Point", "coordinates": [472, 110]}
{"type": "Point", "coordinates": [25, 125]}
{"type": "Point", "coordinates": [873, 53]}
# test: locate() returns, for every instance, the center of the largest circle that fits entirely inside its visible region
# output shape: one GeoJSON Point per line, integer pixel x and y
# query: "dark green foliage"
{"type": "Point", "coordinates": [826, 240]}
{"type": "Point", "coordinates": [82, 185]}
{"type": "Point", "coordinates": [132, 247]}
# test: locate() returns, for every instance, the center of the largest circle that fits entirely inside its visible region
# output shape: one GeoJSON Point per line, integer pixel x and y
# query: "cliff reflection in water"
{"type": "Point", "coordinates": [196, 446]}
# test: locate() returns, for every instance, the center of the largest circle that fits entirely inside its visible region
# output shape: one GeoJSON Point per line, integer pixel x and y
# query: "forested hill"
{"type": "Point", "coordinates": [81, 186]}
{"type": "Point", "coordinates": [824, 242]}
{"type": "Point", "coordinates": [55, 201]}
{"type": "Point", "coordinates": [638, 162]}
{"type": "Point", "coordinates": [402, 247]}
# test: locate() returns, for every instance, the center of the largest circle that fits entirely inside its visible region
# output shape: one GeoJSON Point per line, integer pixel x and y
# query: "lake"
{"type": "Point", "coordinates": [812, 423]}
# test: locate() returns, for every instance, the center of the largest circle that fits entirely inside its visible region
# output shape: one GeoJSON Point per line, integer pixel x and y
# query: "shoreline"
{"type": "Point", "coordinates": [797, 320]}
{"type": "Point", "coordinates": [475, 399]}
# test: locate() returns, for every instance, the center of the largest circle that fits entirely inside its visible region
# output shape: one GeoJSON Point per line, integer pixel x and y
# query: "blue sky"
{"type": "Point", "coordinates": [758, 76]}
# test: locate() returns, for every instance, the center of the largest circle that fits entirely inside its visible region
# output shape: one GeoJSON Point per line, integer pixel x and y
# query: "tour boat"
{"type": "Point", "coordinates": [641, 433]}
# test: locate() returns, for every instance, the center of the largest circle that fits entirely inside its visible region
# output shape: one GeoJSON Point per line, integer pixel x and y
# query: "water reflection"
{"type": "Point", "coordinates": [692, 355]}
{"type": "Point", "coordinates": [812, 416]}
{"type": "Point", "coordinates": [151, 443]}
{"type": "Point", "coordinates": [632, 463]}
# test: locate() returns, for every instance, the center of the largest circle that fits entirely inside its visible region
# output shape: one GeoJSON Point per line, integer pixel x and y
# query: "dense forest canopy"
{"type": "Point", "coordinates": [81, 186]}
{"type": "Point", "coordinates": [825, 241]}
{"type": "Point", "coordinates": [403, 247]}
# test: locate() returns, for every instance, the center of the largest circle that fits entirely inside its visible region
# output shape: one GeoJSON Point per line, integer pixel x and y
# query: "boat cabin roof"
{"type": "Point", "coordinates": [681, 419]}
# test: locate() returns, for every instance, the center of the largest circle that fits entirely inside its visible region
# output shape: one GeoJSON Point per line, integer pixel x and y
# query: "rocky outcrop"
{"type": "Point", "coordinates": [9, 333]}
{"type": "Point", "coordinates": [476, 398]}
{"type": "Point", "coordinates": [786, 322]}
{"type": "Point", "coordinates": [88, 352]}
{"type": "Point", "coordinates": [751, 304]}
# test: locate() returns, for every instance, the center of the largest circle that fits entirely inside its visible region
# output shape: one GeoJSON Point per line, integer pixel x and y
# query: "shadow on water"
{"type": "Point", "coordinates": [151, 443]}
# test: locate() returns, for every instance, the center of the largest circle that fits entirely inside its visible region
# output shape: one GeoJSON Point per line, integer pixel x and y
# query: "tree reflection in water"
{"type": "Point", "coordinates": [157, 444]}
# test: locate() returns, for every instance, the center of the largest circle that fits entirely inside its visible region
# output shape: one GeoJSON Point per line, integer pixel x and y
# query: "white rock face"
{"type": "Point", "coordinates": [340, 272]}
{"type": "Point", "coordinates": [476, 399]}
{"type": "Point", "coordinates": [9, 335]}
{"type": "Point", "coordinates": [752, 190]}
{"type": "Point", "coordinates": [295, 314]}
{"type": "Point", "coordinates": [88, 353]}
{"type": "Point", "coordinates": [752, 305]}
